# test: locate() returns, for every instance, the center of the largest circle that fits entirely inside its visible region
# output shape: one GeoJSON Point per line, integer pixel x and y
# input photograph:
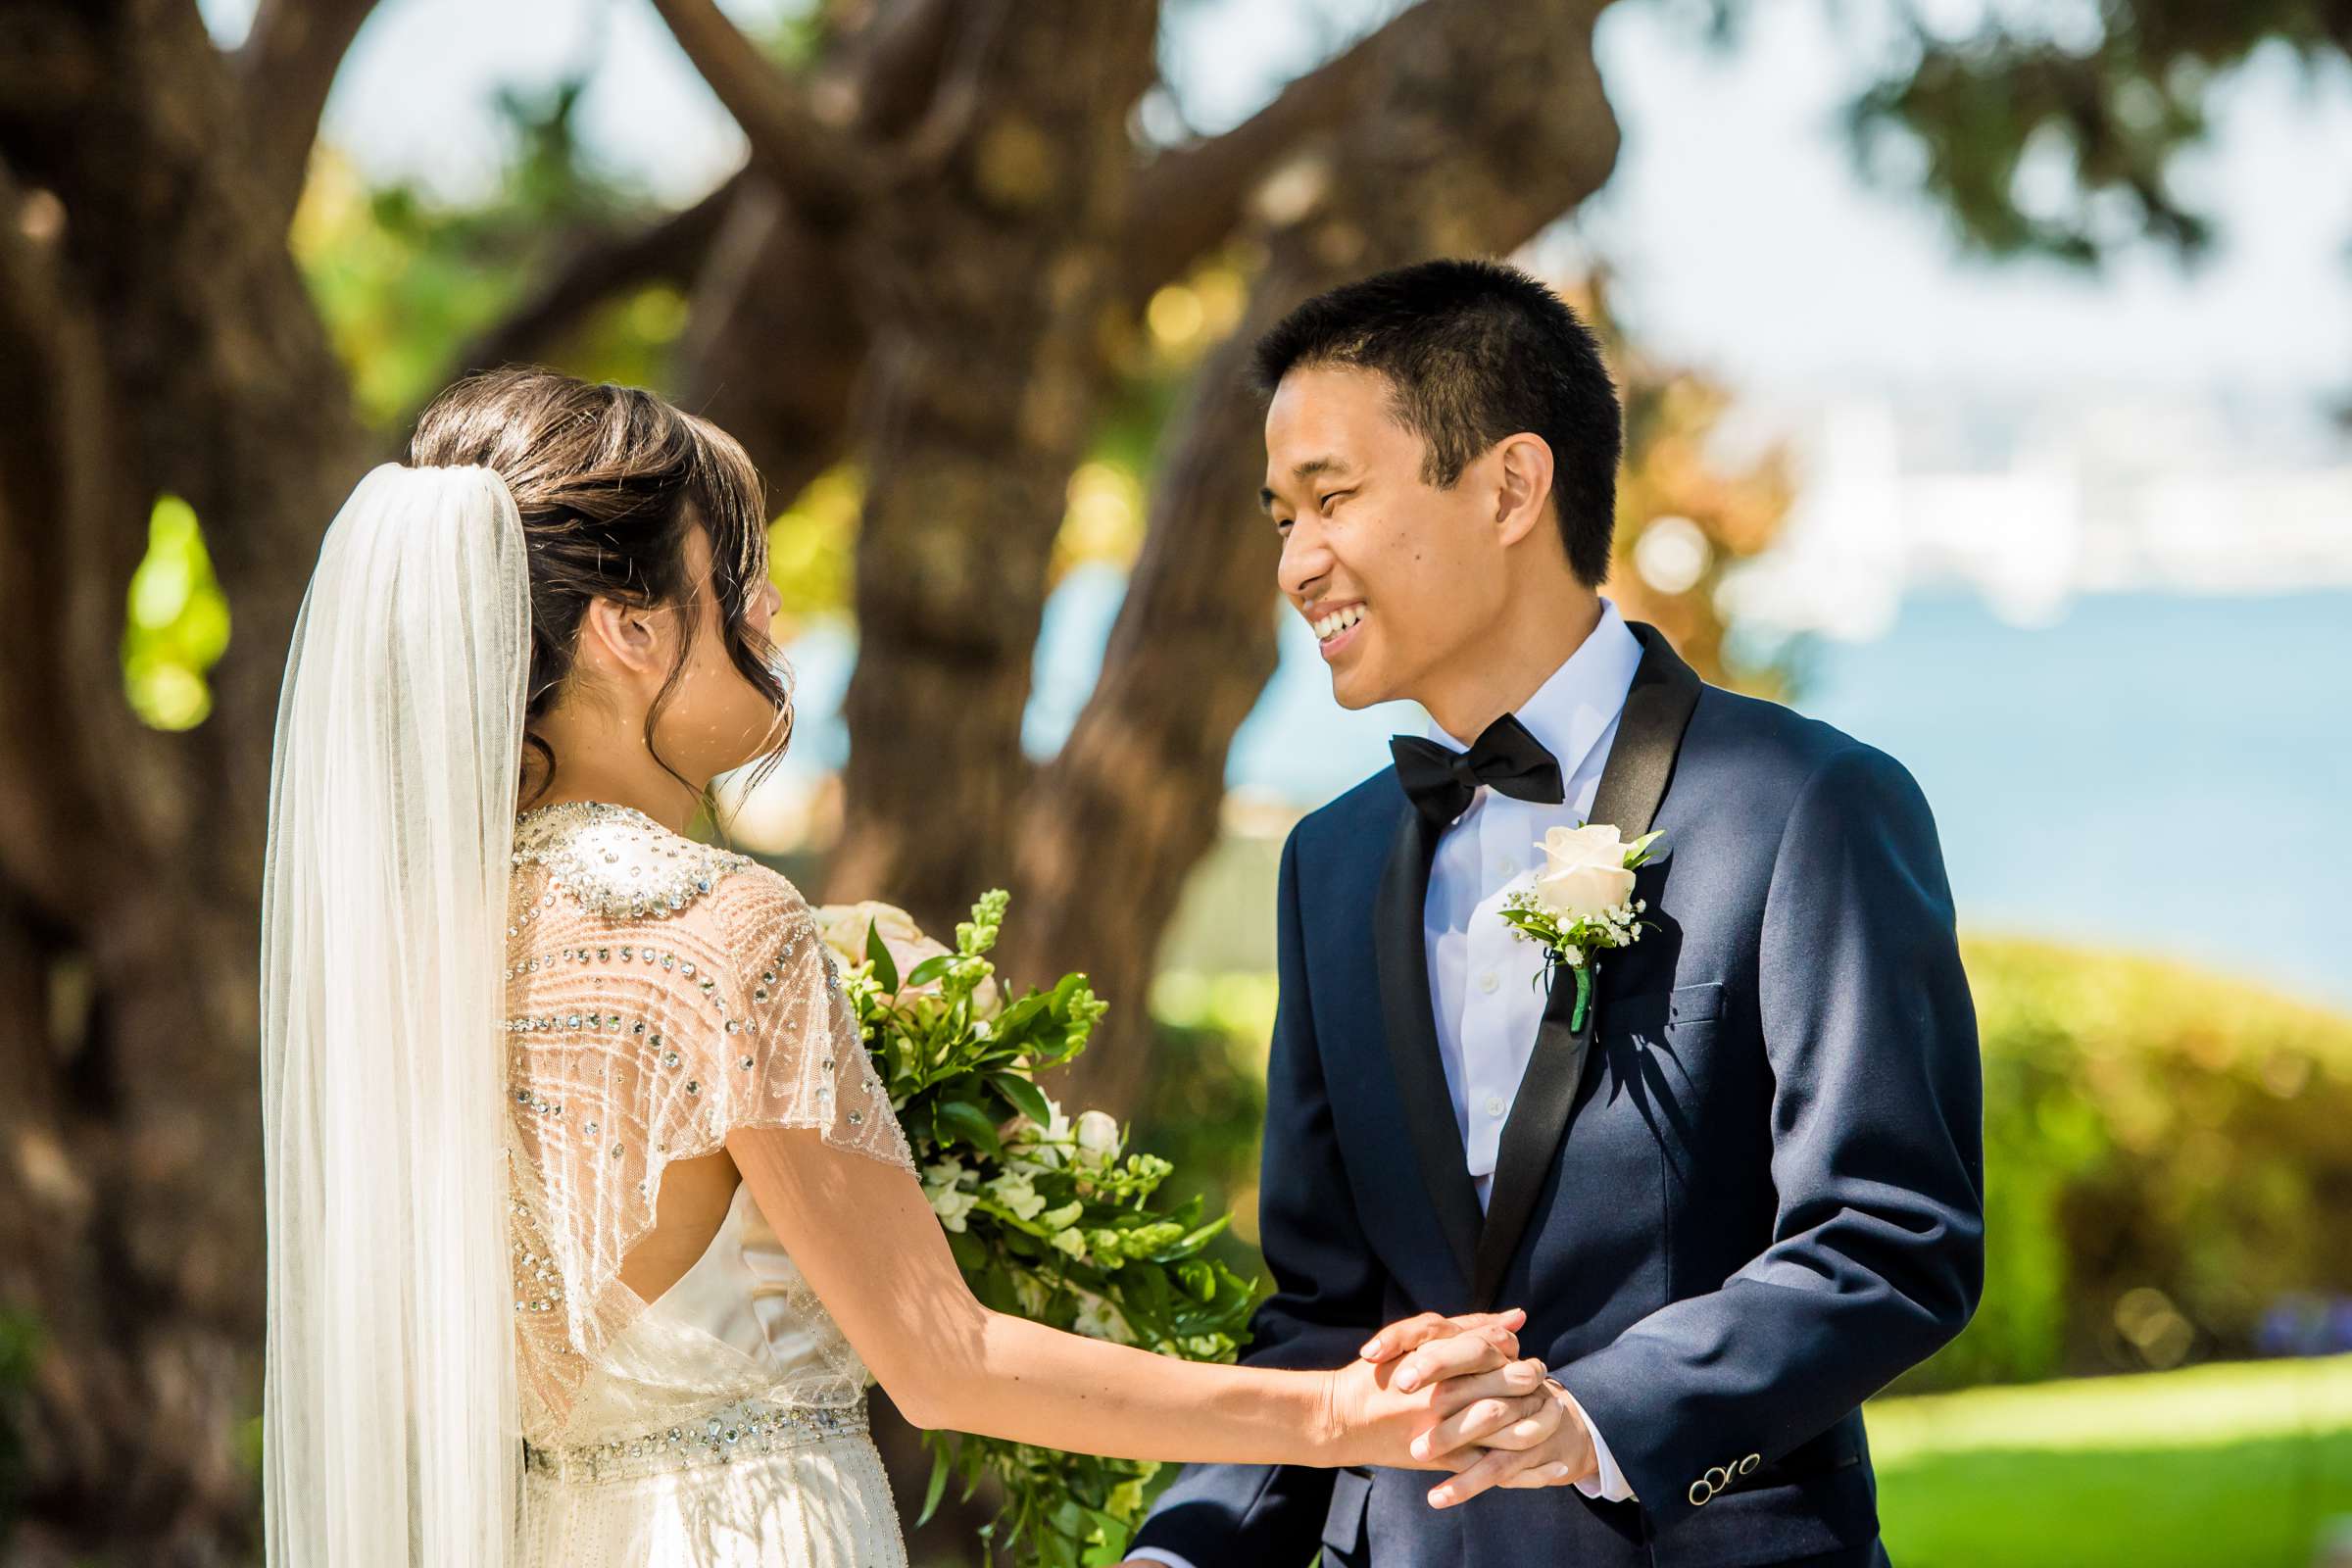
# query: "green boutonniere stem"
{"type": "Point", "coordinates": [1584, 998]}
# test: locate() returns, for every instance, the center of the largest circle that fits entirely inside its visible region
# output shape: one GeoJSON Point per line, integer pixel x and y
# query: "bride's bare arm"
{"type": "Point", "coordinates": [867, 1242]}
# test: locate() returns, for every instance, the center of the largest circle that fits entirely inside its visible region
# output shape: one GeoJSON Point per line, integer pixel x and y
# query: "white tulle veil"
{"type": "Point", "coordinates": [390, 1414]}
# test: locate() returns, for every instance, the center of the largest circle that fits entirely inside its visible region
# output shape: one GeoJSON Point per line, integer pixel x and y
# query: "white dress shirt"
{"type": "Point", "coordinates": [1482, 978]}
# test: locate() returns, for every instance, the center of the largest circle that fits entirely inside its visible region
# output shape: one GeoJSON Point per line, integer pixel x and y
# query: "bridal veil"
{"type": "Point", "coordinates": [389, 1412]}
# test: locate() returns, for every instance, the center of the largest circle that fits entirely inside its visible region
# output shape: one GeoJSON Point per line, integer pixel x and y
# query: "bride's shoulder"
{"type": "Point", "coordinates": [615, 861]}
{"type": "Point", "coordinates": [619, 867]}
{"type": "Point", "coordinates": [764, 922]}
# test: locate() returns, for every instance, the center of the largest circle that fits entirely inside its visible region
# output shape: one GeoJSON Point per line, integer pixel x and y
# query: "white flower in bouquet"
{"type": "Point", "coordinates": [1014, 1192]}
{"type": "Point", "coordinates": [844, 926]}
{"type": "Point", "coordinates": [1098, 1319]}
{"type": "Point", "coordinates": [953, 1204]}
{"type": "Point", "coordinates": [1044, 1146]}
{"type": "Point", "coordinates": [943, 1189]}
{"type": "Point", "coordinates": [1033, 1293]}
{"type": "Point", "coordinates": [1097, 1138]}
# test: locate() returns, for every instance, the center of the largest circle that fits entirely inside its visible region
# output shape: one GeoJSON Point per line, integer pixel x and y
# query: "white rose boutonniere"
{"type": "Point", "coordinates": [1582, 901]}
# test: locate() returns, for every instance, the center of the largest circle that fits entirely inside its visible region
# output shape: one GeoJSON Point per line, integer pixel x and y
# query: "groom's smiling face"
{"type": "Point", "coordinates": [1399, 578]}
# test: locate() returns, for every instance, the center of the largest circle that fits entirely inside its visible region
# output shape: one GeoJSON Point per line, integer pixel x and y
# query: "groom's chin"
{"type": "Point", "coordinates": [1351, 691]}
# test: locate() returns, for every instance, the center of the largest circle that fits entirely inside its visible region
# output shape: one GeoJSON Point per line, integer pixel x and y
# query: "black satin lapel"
{"type": "Point", "coordinates": [1633, 782]}
{"type": "Point", "coordinates": [1402, 960]}
{"type": "Point", "coordinates": [1523, 1153]}
{"type": "Point", "coordinates": [1650, 735]}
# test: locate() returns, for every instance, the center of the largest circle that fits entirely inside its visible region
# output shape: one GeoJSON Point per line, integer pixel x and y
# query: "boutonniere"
{"type": "Point", "coordinates": [1583, 902]}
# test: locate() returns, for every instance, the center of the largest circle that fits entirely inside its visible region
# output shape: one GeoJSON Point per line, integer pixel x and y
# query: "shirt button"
{"type": "Point", "coordinates": [1488, 980]}
{"type": "Point", "coordinates": [1494, 1106]}
{"type": "Point", "coordinates": [1503, 866]}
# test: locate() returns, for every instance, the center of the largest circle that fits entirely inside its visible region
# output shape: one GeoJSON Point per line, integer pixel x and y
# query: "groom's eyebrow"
{"type": "Point", "coordinates": [1303, 471]}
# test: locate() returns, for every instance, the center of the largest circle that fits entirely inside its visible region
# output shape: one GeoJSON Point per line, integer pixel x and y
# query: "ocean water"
{"type": "Point", "coordinates": [2163, 772]}
{"type": "Point", "coordinates": [2166, 773]}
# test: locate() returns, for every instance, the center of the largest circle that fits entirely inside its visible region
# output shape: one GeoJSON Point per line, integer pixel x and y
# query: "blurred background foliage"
{"type": "Point", "coordinates": [2166, 1166]}
{"type": "Point", "coordinates": [2165, 1161]}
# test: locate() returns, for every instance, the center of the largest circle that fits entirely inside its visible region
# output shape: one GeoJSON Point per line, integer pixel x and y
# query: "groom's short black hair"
{"type": "Point", "coordinates": [1476, 351]}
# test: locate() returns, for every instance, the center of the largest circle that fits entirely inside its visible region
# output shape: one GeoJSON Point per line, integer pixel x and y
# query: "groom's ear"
{"type": "Point", "coordinates": [1522, 485]}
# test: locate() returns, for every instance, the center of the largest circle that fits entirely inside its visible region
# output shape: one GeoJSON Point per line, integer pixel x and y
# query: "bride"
{"type": "Point", "coordinates": [588, 1216]}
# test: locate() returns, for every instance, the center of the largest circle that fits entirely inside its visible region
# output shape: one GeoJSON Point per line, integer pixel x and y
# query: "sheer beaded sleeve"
{"type": "Point", "coordinates": [798, 1058]}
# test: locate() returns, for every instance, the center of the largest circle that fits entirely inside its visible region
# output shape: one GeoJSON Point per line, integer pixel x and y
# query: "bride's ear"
{"type": "Point", "coordinates": [625, 640]}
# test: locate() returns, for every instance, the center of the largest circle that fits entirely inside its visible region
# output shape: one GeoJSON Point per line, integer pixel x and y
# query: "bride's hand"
{"type": "Point", "coordinates": [1378, 1407]}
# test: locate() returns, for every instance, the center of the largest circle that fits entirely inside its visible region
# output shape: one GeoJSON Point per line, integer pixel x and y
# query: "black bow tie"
{"type": "Point", "coordinates": [1441, 781]}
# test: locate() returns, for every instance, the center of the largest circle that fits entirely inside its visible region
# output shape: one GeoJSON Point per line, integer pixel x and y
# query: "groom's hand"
{"type": "Point", "coordinates": [1547, 1446]}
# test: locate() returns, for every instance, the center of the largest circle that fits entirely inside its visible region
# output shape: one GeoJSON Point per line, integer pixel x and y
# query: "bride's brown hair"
{"type": "Point", "coordinates": [608, 480]}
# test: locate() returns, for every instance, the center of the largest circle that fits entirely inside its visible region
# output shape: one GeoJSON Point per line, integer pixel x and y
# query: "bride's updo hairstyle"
{"type": "Point", "coordinates": [609, 479]}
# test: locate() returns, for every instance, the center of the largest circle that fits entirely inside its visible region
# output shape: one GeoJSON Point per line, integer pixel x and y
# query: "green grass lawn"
{"type": "Point", "coordinates": [2246, 1466]}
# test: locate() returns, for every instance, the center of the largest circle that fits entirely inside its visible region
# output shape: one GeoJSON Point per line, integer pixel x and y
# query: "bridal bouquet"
{"type": "Point", "coordinates": [1046, 1218]}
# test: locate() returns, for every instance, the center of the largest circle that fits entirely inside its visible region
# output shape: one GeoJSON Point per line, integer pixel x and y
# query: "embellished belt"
{"type": "Point", "coordinates": [746, 1428]}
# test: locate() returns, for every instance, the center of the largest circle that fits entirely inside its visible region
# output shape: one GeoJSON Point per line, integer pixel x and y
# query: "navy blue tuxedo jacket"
{"type": "Point", "coordinates": [1743, 1198]}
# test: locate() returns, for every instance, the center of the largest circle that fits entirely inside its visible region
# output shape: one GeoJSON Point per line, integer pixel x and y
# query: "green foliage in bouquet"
{"type": "Point", "coordinates": [1047, 1219]}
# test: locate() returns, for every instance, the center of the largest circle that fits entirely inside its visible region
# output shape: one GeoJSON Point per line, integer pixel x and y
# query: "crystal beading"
{"type": "Point", "coordinates": [746, 1428]}
{"type": "Point", "coordinates": [619, 861]}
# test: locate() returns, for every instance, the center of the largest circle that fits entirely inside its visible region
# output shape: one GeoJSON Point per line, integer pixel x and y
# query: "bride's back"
{"type": "Point", "coordinates": [659, 995]}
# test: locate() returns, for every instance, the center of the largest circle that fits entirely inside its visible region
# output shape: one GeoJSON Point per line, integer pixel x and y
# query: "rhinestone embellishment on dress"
{"type": "Point", "coordinates": [745, 1428]}
{"type": "Point", "coordinates": [616, 861]}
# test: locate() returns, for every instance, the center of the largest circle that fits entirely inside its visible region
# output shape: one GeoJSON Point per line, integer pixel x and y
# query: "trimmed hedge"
{"type": "Point", "coordinates": [2167, 1152]}
{"type": "Point", "coordinates": [2168, 1163]}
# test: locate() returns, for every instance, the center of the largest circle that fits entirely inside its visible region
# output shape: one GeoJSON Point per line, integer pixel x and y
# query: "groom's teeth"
{"type": "Point", "coordinates": [1338, 621]}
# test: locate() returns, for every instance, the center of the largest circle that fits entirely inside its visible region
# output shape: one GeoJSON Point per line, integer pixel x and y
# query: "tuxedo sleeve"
{"type": "Point", "coordinates": [1327, 1300]}
{"type": "Point", "coordinates": [1877, 1120]}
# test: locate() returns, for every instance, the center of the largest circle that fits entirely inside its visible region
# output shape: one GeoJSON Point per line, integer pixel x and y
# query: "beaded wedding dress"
{"type": "Point", "coordinates": [660, 993]}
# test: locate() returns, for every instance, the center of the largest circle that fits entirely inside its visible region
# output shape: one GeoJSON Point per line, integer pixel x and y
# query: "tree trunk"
{"type": "Point", "coordinates": [153, 337]}
{"type": "Point", "coordinates": [985, 284]}
{"type": "Point", "coordinates": [1456, 148]}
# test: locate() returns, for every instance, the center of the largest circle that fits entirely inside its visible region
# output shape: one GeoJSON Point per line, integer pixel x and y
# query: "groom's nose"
{"type": "Point", "coordinates": [1306, 560]}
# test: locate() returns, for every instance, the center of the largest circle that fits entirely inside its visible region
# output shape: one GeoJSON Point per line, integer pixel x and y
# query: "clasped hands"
{"type": "Point", "coordinates": [1431, 1392]}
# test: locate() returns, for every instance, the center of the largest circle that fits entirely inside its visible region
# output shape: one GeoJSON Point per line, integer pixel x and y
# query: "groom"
{"type": "Point", "coordinates": [1748, 1190]}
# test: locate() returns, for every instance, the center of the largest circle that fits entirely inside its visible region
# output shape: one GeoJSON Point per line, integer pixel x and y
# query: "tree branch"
{"type": "Point", "coordinates": [885, 74]}
{"type": "Point", "coordinates": [287, 65]}
{"type": "Point", "coordinates": [959, 95]}
{"type": "Point", "coordinates": [811, 158]}
{"type": "Point", "coordinates": [1190, 198]}
{"type": "Point", "coordinates": [670, 250]}
{"type": "Point", "coordinates": [893, 64]}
